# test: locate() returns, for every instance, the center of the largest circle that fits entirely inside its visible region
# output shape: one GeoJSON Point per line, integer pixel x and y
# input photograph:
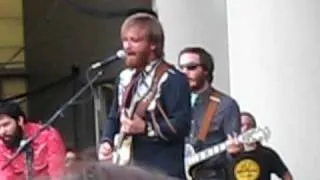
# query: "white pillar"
{"type": "Point", "coordinates": [274, 51]}
{"type": "Point", "coordinates": [199, 23]}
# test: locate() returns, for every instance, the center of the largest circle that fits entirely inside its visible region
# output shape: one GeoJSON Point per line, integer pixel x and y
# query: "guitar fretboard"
{"type": "Point", "coordinates": [250, 136]}
{"type": "Point", "coordinates": [207, 153]}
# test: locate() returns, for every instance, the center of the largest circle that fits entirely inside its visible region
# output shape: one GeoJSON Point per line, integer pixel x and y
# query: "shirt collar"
{"type": "Point", "coordinates": [204, 89]}
{"type": "Point", "coordinates": [150, 67]}
{"type": "Point", "coordinates": [201, 95]}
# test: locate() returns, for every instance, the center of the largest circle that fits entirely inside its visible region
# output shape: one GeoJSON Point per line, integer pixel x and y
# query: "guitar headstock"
{"type": "Point", "coordinates": [255, 135]}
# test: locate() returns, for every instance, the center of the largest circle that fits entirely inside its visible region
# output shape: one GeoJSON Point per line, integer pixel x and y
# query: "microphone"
{"type": "Point", "coordinates": [119, 55]}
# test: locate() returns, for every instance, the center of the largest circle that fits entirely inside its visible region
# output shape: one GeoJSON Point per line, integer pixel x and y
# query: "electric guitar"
{"type": "Point", "coordinates": [193, 158]}
{"type": "Point", "coordinates": [122, 151]}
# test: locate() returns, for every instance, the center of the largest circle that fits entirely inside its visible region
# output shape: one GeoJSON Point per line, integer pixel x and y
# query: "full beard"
{"type": "Point", "coordinates": [14, 142]}
{"type": "Point", "coordinates": [139, 61]}
{"type": "Point", "coordinates": [197, 85]}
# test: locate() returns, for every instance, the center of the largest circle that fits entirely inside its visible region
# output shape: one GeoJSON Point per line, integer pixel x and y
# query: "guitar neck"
{"type": "Point", "coordinates": [210, 152]}
{"type": "Point", "coordinates": [250, 136]}
{"type": "Point", "coordinates": [134, 102]}
{"type": "Point", "coordinates": [214, 150]}
{"type": "Point", "coordinates": [130, 111]}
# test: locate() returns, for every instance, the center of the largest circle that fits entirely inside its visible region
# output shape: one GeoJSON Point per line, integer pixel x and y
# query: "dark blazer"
{"type": "Point", "coordinates": [226, 121]}
{"type": "Point", "coordinates": [166, 155]}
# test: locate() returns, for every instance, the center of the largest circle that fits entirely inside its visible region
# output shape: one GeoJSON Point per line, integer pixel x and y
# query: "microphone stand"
{"type": "Point", "coordinates": [26, 144]}
{"type": "Point", "coordinates": [29, 161]}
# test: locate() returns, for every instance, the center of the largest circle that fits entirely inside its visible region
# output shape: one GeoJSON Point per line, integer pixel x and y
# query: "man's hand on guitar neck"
{"type": "Point", "coordinates": [105, 151]}
{"type": "Point", "coordinates": [233, 145]}
{"type": "Point", "coordinates": [132, 126]}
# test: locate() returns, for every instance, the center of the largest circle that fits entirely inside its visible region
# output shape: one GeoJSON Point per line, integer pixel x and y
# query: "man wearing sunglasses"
{"type": "Point", "coordinates": [223, 122]}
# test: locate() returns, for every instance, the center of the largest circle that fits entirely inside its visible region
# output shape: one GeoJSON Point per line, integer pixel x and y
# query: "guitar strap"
{"type": "Point", "coordinates": [129, 91]}
{"type": "Point", "coordinates": [143, 105]}
{"type": "Point", "coordinates": [212, 107]}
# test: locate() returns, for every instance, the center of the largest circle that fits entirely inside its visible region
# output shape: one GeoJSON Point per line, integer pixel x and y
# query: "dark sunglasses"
{"type": "Point", "coordinates": [190, 67]}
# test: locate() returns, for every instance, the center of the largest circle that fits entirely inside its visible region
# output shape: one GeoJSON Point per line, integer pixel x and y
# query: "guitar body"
{"type": "Point", "coordinates": [122, 154]}
{"type": "Point", "coordinates": [193, 158]}
{"type": "Point", "coordinates": [188, 152]}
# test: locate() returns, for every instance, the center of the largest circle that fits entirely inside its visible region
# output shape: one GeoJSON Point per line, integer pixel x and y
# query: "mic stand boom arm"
{"type": "Point", "coordinates": [28, 141]}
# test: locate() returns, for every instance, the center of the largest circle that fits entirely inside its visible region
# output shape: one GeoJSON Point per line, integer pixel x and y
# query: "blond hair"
{"type": "Point", "coordinates": [153, 29]}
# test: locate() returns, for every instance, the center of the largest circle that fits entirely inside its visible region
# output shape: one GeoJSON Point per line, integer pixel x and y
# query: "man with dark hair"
{"type": "Point", "coordinates": [151, 102]}
{"type": "Point", "coordinates": [205, 60]}
{"type": "Point", "coordinates": [215, 115]}
{"type": "Point", "coordinates": [47, 149]}
{"type": "Point", "coordinates": [257, 161]}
